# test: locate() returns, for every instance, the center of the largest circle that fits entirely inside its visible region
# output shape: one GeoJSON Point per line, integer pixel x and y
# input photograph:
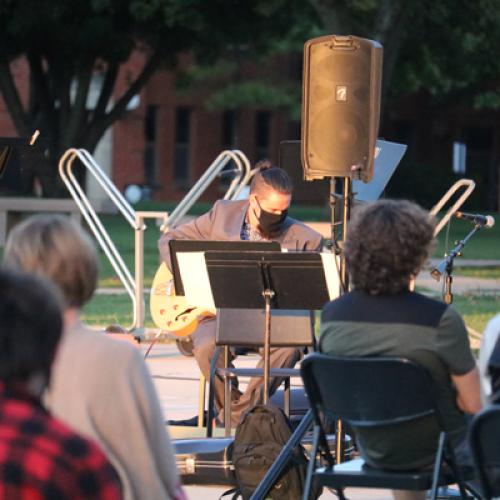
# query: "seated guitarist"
{"type": "Point", "coordinates": [263, 217]}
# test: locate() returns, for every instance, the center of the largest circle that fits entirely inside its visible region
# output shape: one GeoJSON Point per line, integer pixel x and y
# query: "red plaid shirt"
{"type": "Point", "coordinates": [41, 458]}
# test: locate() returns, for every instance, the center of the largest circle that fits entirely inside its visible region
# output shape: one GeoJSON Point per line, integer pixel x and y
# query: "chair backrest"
{"type": "Point", "coordinates": [485, 445]}
{"type": "Point", "coordinates": [245, 327]}
{"type": "Point", "coordinates": [368, 392]}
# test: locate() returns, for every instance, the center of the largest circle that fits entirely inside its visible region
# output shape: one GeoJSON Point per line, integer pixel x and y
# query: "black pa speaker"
{"type": "Point", "coordinates": [340, 106]}
{"type": "Point", "coordinates": [306, 193]}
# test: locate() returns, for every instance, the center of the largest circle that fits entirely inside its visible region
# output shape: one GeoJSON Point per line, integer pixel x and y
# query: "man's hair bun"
{"type": "Point", "coordinates": [269, 176]}
{"type": "Point", "coordinates": [264, 165]}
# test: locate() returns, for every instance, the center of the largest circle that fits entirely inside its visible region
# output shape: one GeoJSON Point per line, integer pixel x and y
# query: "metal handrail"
{"type": "Point", "coordinates": [93, 221]}
{"type": "Point", "coordinates": [440, 204]}
{"type": "Point", "coordinates": [116, 196]}
{"type": "Point", "coordinates": [243, 166]}
{"type": "Point", "coordinates": [248, 175]}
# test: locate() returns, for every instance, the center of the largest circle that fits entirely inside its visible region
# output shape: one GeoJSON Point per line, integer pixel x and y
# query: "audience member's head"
{"type": "Point", "coordinates": [54, 247]}
{"type": "Point", "coordinates": [387, 243]}
{"type": "Point", "coordinates": [30, 328]}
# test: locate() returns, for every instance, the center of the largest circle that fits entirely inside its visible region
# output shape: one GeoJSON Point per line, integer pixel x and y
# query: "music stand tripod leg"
{"type": "Point", "coordinates": [227, 395]}
{"type": "Point", "coordinates": [268, 295]}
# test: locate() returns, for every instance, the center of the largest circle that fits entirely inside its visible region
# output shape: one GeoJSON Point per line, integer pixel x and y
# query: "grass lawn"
{"type": "Point", "coordinates": [489, 272]}
{"type": "Point", "coordinates": [477, 310]}
{"type": "Point", "coordinates": [104, 310]}
{"type": "Point", "coordinates": [123, 237]}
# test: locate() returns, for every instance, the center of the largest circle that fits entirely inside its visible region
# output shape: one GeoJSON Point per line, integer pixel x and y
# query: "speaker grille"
{"type": "Point", "coordinates": [341, 95]}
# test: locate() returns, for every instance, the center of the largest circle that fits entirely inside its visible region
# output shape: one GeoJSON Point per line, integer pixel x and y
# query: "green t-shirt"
{"type": "Point", "coordinates": [406, 325]}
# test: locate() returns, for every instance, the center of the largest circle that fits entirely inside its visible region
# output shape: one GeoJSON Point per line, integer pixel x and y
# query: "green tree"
{"type": "Point", "coordinates": [68, 44]}
{"type": "Point", "coordinates": [446, 48]}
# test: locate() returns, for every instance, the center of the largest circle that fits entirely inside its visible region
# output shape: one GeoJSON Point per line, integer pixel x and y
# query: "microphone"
{"type": "Point", "coordinates": [478, 220]}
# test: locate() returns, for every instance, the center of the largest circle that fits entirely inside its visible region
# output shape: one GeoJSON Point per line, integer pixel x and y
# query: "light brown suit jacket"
{"type": "Point", "coordinates": [224, 222]}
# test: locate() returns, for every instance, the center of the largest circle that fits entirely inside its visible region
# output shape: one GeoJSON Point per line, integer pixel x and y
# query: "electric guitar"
{"type": "Point", "coordinates": [171, 312]}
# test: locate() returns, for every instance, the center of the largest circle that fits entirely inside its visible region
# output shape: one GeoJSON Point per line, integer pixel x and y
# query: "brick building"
{"type": "Point", "coordinates": [167, 140]}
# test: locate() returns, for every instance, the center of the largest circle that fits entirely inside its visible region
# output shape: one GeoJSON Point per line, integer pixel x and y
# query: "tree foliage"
{"type": "Point", "coordinates": [68, 44]}
{"type": "Point", "coordinates": [447, 49]}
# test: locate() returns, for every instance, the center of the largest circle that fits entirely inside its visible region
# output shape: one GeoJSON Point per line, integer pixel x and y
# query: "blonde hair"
{"type": "Point", "coordinates": [54, 247]}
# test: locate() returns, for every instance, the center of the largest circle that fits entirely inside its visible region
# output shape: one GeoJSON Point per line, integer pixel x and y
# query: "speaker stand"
{"type": "Point", "coordinates": [334, 198]}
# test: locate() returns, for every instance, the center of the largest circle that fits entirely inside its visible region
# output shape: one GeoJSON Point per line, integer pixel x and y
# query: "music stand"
{"type": "Point", "coordinates": [269, 281]}
{"type": "Point", "coordinates": [181, 246]}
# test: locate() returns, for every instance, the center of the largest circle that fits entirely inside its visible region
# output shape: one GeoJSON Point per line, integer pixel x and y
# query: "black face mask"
{"type": "Point", "coordinates": [270, 224]}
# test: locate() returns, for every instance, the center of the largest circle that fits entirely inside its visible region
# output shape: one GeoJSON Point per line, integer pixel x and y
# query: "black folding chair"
{"type": "Point", "coordinates": [374, 392]}
{"type": "Point", "coordinates": [485, 444]}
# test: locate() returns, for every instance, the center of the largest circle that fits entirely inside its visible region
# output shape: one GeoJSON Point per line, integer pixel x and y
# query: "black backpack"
{"type": "Point", "coordinates": [259, 438]}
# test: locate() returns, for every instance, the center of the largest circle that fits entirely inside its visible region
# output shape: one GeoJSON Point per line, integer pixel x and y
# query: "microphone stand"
{"type": "Point", "coordinates": [446, 266]}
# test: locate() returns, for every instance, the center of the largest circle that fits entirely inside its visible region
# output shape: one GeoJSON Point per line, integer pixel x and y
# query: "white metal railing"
{"type": "Point", "coordinates": [469, 184]}
{"type": "Point", "coordinates": [134, 286]}
{"type": "Point", "coordinates": [243, 168]}
{"type": "Point", "coordinates": [66, 164]}
{"type": "Point", "coordinates": [249, 172]}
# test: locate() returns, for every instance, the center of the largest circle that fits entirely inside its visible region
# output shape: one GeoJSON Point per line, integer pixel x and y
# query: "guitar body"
{"type": "Point", "coordinates": [171, 312]}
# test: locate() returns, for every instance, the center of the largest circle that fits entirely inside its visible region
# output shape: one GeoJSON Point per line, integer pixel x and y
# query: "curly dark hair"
{"type": "Point", "coordinates": [387, 243]}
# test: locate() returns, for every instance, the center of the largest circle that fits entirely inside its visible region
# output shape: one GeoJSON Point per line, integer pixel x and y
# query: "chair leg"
{"type": "Point", "coordinates": [437, 467]}
{"type": "Point", "coordinates": [286, 397]}
{"type": "Point", "coordinates": [201, 399]}
{"type": "Point", "coordinates": [340, 494]}
{"type": "Point", "coordinates": [211, 392]}
{"type": "Point", "coordinates": [311, 466]}
{"type": "Point", "coordinates": [323, 441]}
{"type": "Point", "coordinates": [452, 462]}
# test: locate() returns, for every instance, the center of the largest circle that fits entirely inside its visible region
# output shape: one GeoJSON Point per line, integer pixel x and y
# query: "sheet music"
{"type": "Point", "coordinates": [331, 273]}
{"type": "Point", "coordinates": [195, 279]}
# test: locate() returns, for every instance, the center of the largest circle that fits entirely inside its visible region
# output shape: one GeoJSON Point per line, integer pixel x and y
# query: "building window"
{"type": "Point", "coordinates": [229, 141]}
{"type": "Point", "coordinates": [150, 151]}
{"type": "Point", "coordinates": [229, 129]}
{"type": "Point", "coordinates": [262, 134]}
{"type": "Point", "coordinates": [182, 147]}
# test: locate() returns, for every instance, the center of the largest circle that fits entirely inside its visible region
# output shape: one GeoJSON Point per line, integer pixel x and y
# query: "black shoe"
{"type": "Point", "coordinates": [193, 421]}
{"type": "Point", "coordinates": [188, 422]}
